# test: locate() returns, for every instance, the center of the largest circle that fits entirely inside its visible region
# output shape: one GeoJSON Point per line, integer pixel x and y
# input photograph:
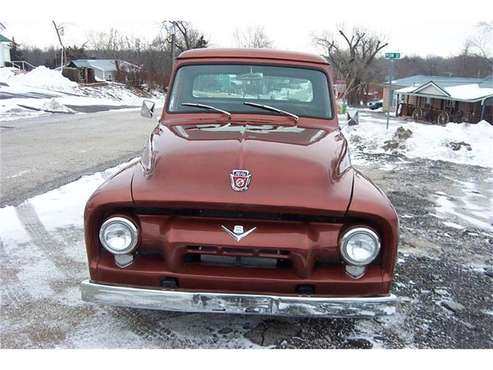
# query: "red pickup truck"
{"type": "Point", "coordinates": [244, 200]}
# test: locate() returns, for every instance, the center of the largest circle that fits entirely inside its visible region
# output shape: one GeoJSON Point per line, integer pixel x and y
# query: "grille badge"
{"type": "Point", "coordinates": [238, 232]}
{"type": "Point", "coordinates": [240, 180]}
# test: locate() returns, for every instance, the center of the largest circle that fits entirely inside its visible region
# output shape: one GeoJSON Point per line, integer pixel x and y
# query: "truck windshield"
{"type": "Point", "coordinates": [301, 91]}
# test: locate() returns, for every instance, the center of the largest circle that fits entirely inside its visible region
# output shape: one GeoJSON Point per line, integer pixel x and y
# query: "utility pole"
{"type": "Point", "coordinates": [392, 57]}
{"type": "Point", "coordinates": [173, 41]}
{"type": "Point", "coordinates": [59, 32]}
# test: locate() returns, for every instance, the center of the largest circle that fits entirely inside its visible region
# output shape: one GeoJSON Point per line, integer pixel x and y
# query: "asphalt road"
{"type": "Point", "coordinates": [39, 154]}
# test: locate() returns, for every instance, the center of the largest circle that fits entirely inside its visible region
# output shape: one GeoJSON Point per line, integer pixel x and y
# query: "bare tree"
{"type": "Point", "coordinates": [156, 56]}
{"type": "Point", "coordinates": [352, 58]}
{"type": "Point", "coordinates": [111, 42]}
{"type": "Point", "coordinates": [252, 37]}
{"type": "Point", "coordinates": [481, 44]}
{"type": "Point", "coordinates": [186, 36]}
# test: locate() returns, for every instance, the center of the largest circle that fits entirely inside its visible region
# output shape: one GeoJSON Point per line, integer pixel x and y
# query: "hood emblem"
{"type": "Point", "coordinates": [238, 232]}
{"type": "Point", "coordinates": [240, 180]}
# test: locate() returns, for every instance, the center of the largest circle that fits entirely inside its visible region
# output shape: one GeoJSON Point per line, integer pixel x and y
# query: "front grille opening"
{"type": "Point", "coordinates": [237, 261]}
{"type": "Point", "coordinates": [275, 253]}
{"type": "Point", "coordinates": [202, 249]}
{"type": "Point", "coordinates": [236, 251]}
{"type": "Point", "coordinates": [242, 252]}
{"type": "Point", "coordinates": [152, 253]}
{"type": "Point", "coordinates": [327, 264]}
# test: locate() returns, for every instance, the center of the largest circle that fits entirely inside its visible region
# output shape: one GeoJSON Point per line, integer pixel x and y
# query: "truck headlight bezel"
{"type": "Point", "coordinates": [122, 225]}
{"type": "Point", "coordinates": [365, 235]}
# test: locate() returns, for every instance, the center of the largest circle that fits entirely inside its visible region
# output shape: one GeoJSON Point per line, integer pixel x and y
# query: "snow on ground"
{"type": "Point", "coordinates": [7, 73]}
{"type": "Point", "coordinates": [426, 140]}
{"type": "Point", "coordinates": [58, 208]}
{"type": "Point", "coordinates": [65, 206]}
{"type": "Point", "coordinates": [42, 78]}
{"type": "Point", "coordinates": [471, 208]}
{"type": "Point", "coordinates": [43, 91]}
{"type": "Point", "coordinates": [474, 207]}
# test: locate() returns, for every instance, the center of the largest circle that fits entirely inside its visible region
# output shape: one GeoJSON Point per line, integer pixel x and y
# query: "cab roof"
{"type": "Point", "coordinates": [211, 53]}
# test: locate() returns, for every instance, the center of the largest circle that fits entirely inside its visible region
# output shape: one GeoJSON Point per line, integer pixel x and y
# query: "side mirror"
{"type": "Point", "coordinates": [353, 120]}
{"type": "Point", "coordinates": [147, 109]}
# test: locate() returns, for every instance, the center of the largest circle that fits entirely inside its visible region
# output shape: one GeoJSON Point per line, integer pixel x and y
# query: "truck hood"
{"type": "Point", "coordinates": [292, 169]}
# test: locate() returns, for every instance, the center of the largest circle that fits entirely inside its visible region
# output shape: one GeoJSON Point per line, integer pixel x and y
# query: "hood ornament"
{"type": "Point", "coordinates": [238, 232]}
{"type": "Point", "coordinates": [240, 180]}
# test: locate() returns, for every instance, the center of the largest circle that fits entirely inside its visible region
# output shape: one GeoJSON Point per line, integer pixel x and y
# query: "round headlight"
{"type": "Point", "coordinates": [118, 235]}
{"type": "Point", "coordinates": [360, 246]}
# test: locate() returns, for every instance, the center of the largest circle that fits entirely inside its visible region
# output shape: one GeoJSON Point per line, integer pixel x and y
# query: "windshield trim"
{"type": "Point", "coordinates": [268, 64]}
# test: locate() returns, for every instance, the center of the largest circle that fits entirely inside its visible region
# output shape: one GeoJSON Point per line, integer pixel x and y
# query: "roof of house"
{"type": "Point", "coordinates": [418, 80]}
{"type": "Point", "coordinates": [4, 39]}
{"type": "Point", "coordinates": [468, 92]}
{"type": "Point", "coordinates": [208, 53]}
{"type": "Point", "coordinates": [107, 65]}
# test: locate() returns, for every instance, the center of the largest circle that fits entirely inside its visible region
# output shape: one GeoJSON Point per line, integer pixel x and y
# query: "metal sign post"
{"type": "Point", "coordinates": [391, 57]}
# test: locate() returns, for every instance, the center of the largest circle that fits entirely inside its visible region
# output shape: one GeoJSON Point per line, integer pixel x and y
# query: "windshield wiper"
{"type": "Point", "coordinates": [273, 109]}
{"type": "Point", "coordinates": [205, 106]}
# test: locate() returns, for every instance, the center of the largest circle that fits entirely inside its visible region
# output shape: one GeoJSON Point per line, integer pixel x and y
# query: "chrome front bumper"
{"type": "Point", "coordinates": [171, 300]}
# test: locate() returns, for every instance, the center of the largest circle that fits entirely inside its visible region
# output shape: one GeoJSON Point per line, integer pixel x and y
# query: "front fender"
{"type": "Point", "coordinates": [370, 203]}
{"type": "Point", "coordinates": [115, 193]}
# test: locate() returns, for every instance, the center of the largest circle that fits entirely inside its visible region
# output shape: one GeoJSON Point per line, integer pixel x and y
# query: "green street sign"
{"type": "Point", "coordinates": [392, 55]}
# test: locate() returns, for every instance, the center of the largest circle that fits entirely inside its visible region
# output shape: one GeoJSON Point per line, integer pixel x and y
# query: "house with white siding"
{"type": "Point", "coordinates": [5, 45]}
{"type": "Point", "coordinates": [442, 100]}
{"type": "Point", "coordinates": [103, 69]}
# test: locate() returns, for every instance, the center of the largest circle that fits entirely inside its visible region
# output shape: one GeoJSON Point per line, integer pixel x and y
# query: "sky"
{"type": "Point", "coordinates": [419, 27]}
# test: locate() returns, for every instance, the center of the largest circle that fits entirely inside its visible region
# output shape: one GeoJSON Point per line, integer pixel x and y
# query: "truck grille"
{"type": "Point", "coordinates": [241, 252]}
{"type": "Point", "coordinates": [238, 257]}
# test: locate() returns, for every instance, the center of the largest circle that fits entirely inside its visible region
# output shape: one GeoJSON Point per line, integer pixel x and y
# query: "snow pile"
{"type": "Point", "coordinates": [44, 91]}
{"type": "Point", "coordinates": [43, 78]}
{"type": "Point", "coordinates": [13, 109]}
{"type": "Point", "coordinates": [113, 93]}
{"type": "Point", "coordinates": [460, 143]}
{"type": "Point", "coordinates": [53, 105]}
{"type": "Point", "coordinates": [11, 112]}
{"type": "Point", "coordinates": [6, 73]}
